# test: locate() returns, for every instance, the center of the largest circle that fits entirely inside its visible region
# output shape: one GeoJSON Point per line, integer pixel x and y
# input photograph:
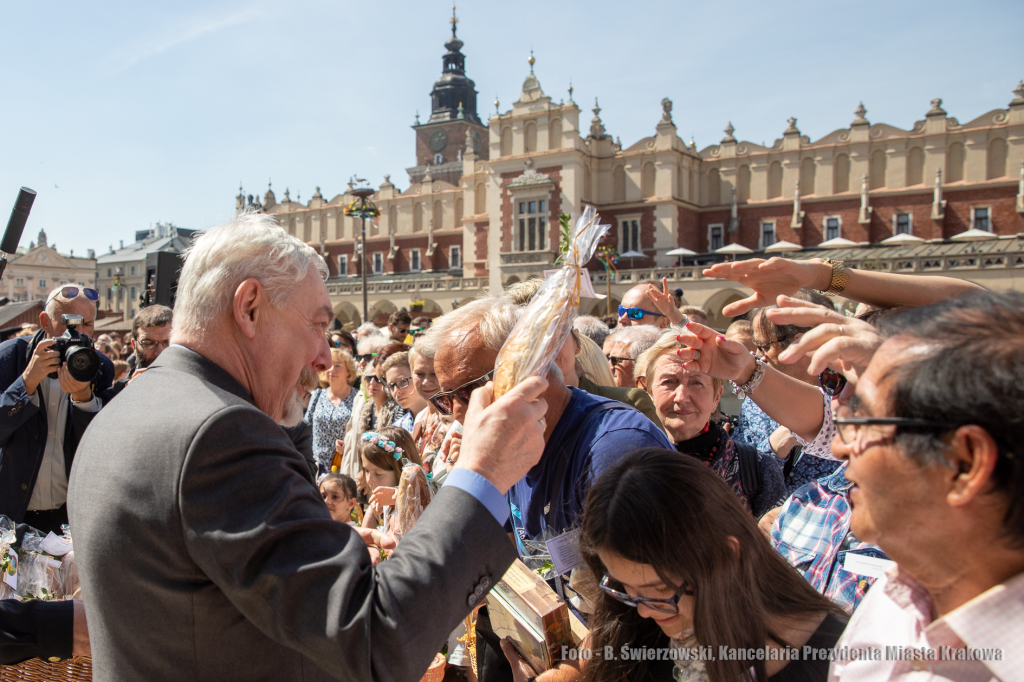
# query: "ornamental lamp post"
{"type": "Point", "coordinates": [363, 209]}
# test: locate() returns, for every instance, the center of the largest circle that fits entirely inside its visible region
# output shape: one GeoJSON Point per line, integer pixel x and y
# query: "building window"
{"type": "Point", "coordinates": [378, 263]}
{"type": "Point", "coordinates": [767, 235]}
{"type": "Point", "coordinates": [455, 256]}
{"type": "Point", "coordinates": [133, 294]}
{"type": "Point", "coordinates": [343, 265]}
{"type": "Point", "coordinates": [20, 282]}
{"type": "Point", "coordinates": [902, 223]}
{"type": "Point", "coordinates": [108, 272]}
{"type": "Point", "coordinates": [532, 226]}
{"type": "Point", "coordinates": [414, 260]}
{"type": "Point", "coordinates": [110, 294]}
{"type": "Point", "coordinates": [715, 233]}
{"type": "Point", "coordinates": [630, 236]}
{"type": "Point", "coordinates": [42, 284]}
{"type": "Point", "coordinates": [980, 219]}
{"type": "Point", "coordinates": [438, 159]}
{"type": "Point", "coordinates": [833, 227]}
{"type": "Point", "coordinates": [133, 270]}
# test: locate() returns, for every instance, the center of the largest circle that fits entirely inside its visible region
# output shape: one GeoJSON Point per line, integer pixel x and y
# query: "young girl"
{"type": "Point", "coordinates": [381, 454]}
{"type": "Point", "coordinates": [339, 493]}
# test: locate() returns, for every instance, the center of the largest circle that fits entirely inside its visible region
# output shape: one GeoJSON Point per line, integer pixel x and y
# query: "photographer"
{"type": "Point", "coordinates": [43, 418]}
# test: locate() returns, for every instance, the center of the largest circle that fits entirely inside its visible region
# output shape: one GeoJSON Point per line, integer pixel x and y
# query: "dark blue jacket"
{"type": "Point", "coordinates": [23, 427]}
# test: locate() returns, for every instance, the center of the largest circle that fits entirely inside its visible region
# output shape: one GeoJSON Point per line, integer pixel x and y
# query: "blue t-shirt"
{"type": "Point", "coordinates": [608, 437]}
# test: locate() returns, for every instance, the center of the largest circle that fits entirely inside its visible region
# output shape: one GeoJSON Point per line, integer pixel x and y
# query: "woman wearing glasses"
{"type": "Point", "coordinates": [330, 408]}
{"type": "Point", "coordinates": [398, 383]}
{"type": "Point", "coordinates": [708, 578]}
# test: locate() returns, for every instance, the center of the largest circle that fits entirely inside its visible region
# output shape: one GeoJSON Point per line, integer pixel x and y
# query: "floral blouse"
{"type": "Point", "coordinates": [329, 422]}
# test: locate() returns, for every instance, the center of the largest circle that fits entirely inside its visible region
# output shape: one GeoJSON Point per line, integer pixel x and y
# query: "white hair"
{"type": "Point", "coordinates": [636, 338]}
{"type": "Point", "coordinates": [492, 317]}
{"type": "Point", "coordinates": [367, 328]}
{"type": "Point", "coordinates": [591, 327]}
{"type": "Point", "coordinates": [371, 343]}
{"type": "Point", "coordinates": [252, 246]}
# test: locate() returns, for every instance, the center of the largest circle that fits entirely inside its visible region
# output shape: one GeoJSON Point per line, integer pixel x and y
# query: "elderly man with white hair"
{"type": "Point", "coordinates": [204, 549]}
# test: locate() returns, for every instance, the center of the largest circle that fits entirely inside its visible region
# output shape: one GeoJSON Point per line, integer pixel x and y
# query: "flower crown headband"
{"type": "Point", "coordinates": [385, 445]}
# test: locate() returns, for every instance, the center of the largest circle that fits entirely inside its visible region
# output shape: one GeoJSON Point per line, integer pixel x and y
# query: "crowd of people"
{"type": "Point", "coordinates": [245, 492]}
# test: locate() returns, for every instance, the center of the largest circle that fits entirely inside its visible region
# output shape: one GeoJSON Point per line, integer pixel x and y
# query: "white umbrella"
{"type": "Point", "coordinates": [783, 245]}
{"type": "Point", "coordinates": [734, 249]}
{"type": "Point", "coordinates": [838, 243]}
{"type": "Point", "coordinates": [901, 239]}
{"type": "Point", "coordinates": [631, 255]}
{"type": "Point", "coordinates": [680, 252]}
{"type": "Point", "coordinates": [973, 235]}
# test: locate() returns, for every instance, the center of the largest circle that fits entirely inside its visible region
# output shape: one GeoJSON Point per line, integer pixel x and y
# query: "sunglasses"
{"type": "Point", "coordinates": [669, 606]}
{"type": "Point", "coordinates": [72, 292]}
{"type": "Point", "coordinates": [637, 313]}
{"type": "Point", "coordinates": [832, 382]}
{"type": "Point", "coordinates": [615, 360]}
{"type": "Point", "coordinates": [365, 357]}
{"type": "Point", "coordinates": [400, 385]}
{"type": "Point", "coordinates": [370, 378]}
{"type": "Point", "coordinates": [445, 401]}
{"type": "Point", "coordinates": [765, 347]}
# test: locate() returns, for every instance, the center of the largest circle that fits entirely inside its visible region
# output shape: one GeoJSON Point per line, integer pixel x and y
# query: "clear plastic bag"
{"type": "Point", "coordinates": [413, 497]}
{"type": "Point", "coordinates": [538, 336]}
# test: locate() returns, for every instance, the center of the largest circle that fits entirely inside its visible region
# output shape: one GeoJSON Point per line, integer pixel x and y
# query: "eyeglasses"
{"type": "Point", "coordinates": [832, 382]}
{"type": "Point", "coordinates": [400, 385]}
{"type": "Point", "coordinates": [848, 425]}
{"type": "Point", "coordinates": [615, 360]}
{"type": "Point", "coordinates": [365, 357]}
{"type": "Point", "coordinates": [72, 292]}
{"type": "Point", "coordinates": [669, 606]}
{"type": "Point", "coordinates": [637, 313]}
{"type": "Point", "coordinates": [370, 378]}
{"type": "Point", "coordinates": [444, 401]}
{"type": "Point", "coordinates": [148, 345]}
{"type": "Point", "coordinates": [765, 347]}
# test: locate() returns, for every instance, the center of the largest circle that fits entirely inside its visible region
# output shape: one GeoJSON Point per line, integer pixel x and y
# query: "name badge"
{"type": "Point", "coordinates": [565, 551]}
{"type": "Point", "coordinates": [869, 566]}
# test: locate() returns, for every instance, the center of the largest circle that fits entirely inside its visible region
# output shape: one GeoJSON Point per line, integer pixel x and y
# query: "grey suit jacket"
{"type": "Point", "coordinates": [205, 553]}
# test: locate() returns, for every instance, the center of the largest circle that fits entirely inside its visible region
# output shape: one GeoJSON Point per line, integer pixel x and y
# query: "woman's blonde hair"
{"type": "Point", "coordinates": [343, 357]}
{"type": "Point", "coordinates": [591, 362]}
{"type": "Point", "coordinates": [666, 344]}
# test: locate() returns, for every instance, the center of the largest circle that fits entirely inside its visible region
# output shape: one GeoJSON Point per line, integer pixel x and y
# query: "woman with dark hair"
{"type": "Point", "coordinates": [681, 564]}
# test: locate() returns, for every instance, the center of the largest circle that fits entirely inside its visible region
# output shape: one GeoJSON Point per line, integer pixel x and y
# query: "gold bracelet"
{"type": "Point", "coordinates": [840, 278]}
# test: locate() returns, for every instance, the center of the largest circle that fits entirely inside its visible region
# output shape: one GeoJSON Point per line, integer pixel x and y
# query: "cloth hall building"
{"type": "Point", "coordinates": [480, 209]}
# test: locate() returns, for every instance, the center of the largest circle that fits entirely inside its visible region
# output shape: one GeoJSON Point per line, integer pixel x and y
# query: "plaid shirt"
{"type": "Point", "coordinates": [813, 534]}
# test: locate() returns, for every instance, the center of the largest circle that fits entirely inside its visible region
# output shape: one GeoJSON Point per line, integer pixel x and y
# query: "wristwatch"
{"type": "Point", "coordinates": [839, 277]}
{"type": "Point", "coordinates": [755, 379]}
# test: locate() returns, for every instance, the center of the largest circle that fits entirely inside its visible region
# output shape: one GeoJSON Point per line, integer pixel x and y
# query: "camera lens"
{"type": "Point", "coordinates": [83, 363]}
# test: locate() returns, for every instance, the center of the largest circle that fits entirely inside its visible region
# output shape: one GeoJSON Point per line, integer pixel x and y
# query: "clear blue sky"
{"type": "Point", "coordinates": [121, 114]}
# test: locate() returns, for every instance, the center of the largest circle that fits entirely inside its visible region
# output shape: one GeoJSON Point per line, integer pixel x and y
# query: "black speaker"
{"type": "Point", "coordinates": [162, 271]}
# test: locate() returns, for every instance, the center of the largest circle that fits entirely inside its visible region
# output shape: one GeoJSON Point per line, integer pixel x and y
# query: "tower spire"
{"type": "Point", "coordinates": [454, 20]}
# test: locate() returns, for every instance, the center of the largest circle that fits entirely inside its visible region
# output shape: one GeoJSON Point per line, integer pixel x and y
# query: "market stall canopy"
{"type": "Point", "coordinates": [973, 235]}
{"type": "Point", "coordinates": [732, 249]}
{"type": "Point", "coordinates": [837, 243]}
{"type": "Point", "coordinates": [783, 245]}
{"type": "Point", "coordinates": [898, 239]}
{"type": "Point", "coordinates": [680, 252]}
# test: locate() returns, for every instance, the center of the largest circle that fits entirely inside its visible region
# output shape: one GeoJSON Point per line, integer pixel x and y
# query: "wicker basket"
{"type": "Point", "coordinates": [38, 670]}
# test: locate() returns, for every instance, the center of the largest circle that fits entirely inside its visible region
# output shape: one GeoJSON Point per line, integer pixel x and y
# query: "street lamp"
{"type": "Point", "coordinates": [363, 210]}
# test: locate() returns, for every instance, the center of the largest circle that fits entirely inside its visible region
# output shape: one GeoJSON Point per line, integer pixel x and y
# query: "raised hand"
{"type": "Point", "coordinates": [664, 302]}
{"type": "Point", "coordinates": [770, 279]}
{"type": "Point", "coordinates": [707, 351]}
{"type": "Point", "coordinates": [504, 439]}
{"type": "Point", "coordinates": [843, 343]}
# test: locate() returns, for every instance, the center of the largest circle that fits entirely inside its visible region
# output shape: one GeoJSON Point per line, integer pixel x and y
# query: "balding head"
{"type": "Point", "coordinates": [58, 304]}
{"type": "Point", "coordinates": [637, 298]}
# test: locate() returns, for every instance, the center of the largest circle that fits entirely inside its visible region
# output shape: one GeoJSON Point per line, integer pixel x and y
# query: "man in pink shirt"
{"type": "Point", "coordinates": [935, 440]}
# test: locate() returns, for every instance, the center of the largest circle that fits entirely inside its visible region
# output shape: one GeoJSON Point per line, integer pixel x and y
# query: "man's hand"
{"type": "Point", "coordinates": [782, 442]}
{"type": "Point", "coordinates": [505, 439]}
{"type": "Point", "coordinates": [768, 520]}
{"type": "Point", "coordinates": [79, 391]}
{"type": "Point", "coordinates": [451, 448]}
{"type": "Point", "coordinates": [663, 301]}
{"type": "Point", "coordinates": [44, 360]}
{"type": "Point", "coordinates": [770, 279]}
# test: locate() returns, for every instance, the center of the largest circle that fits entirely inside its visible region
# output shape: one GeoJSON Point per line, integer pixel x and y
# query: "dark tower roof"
{"type": "Point", "coordinates": [453, 90]}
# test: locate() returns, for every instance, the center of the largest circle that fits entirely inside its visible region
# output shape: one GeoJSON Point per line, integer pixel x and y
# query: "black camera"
{"type": "Point", "coordinates": [76, 351]}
